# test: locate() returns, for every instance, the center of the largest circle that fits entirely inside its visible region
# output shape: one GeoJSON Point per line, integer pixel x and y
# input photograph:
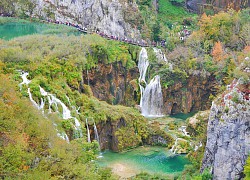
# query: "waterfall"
{"type": "Point", "coordinates": [143, 65]}
{"type": "Point", "coordinates": [89, 140]}
{"type": "Point", "coordinates": [197, 146]}
{"type": "Point", "coordinates": [184, 131]}
{"type": "Point", "coordinates": [32, 100]}
{"type": "Point", "coordinates": [160, 55]}
{"type": "Point", "coordinates": [66, 113]}
{"type": "Point", "coordinates": [151, 102]}
{"type": "Point", "coordinates": [96, 134]}
{"type": "Point", "coordinates": [52, 100]}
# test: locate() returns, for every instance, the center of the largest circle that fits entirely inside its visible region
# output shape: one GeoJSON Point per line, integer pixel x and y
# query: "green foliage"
{"type": "Point", "coordinates": [247, 168]}
{"type": "Point", "coordinates": [30, 148]}
{"type": "Point", "coordinates": [146, 176]}
{"type": "Point", "coordinates": [235, 98]}
{"type": "Point", "coordinates": [206, 175]}
{"type": "Point", "coordinates": [171, 13]}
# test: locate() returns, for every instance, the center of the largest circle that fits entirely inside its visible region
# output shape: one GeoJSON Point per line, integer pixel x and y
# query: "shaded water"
{"type": "Point", "coordinates": [11, 30]}
{"type": "Point", "coordinates": [147, 159]}
{"type": "Point", "coordinates": [183, 116]}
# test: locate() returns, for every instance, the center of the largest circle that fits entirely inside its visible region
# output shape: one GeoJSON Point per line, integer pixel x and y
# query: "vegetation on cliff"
{"type": "Point", "coordinates": [30, 148]}
{"type": "Point", "coordinates": [29, 145]}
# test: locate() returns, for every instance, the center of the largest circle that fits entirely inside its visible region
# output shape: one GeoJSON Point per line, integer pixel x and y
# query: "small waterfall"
{"type": "Point", "coordinates": [197, 146]}
{"type": "Point", "coordinates": [96, 134]}
{"type": "Point", "coordinates": [184, 131]}
{"type": "Point", "coordinates": [66, 113]}
{"type": "Point", "coordinates": [151, 102]}
{"type": "Point", "coordinates": [63, 135]}
{"type": "Point", "coordinates": [32, 100]}
{"type": "Point", "coordinates": [68, 100]}
{"type": "Point", "coordinates": [174, 148]}
{"type": "Point", "coordinates": [24, 78]}
{"type": "Point", "coordinates": [160, 55]}
{"type": "Point", "coordinates": [89, 140]}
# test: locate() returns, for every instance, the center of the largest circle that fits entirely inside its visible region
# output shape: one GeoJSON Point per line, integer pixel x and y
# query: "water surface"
{"type": "Point", "coordinates": [11, 30]}
{"type": "Point", "coordinates": [153, 160]}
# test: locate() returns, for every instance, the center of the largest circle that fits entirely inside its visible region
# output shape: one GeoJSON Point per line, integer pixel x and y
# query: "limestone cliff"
{"type": "Point", "coordinates": [107, 16]}
{"type": "Point", "coordinates": [193, 95]}
{"type": "Point", "coordinates": [228, 133]}
{"type": "Point", "coordinates": [113, 83]}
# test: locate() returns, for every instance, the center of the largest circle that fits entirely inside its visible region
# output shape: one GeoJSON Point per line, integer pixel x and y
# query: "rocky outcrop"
{"type": "Point", "coordinates": [113, 83]}
{"type": "Point", "coordinates": [104, 15]}
{"type": "Point", "coordinates": [193, 95]}
{"type": "Point", "coordinates": [119, 135]}
{"type": "Point", "coordinates": [116, 85]}
{"type": "Point", "coordinates": [228, 133]}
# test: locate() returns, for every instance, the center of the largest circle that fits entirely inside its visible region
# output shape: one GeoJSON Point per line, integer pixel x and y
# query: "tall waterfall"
{"type": "Point", "coordinates": [151, 102]}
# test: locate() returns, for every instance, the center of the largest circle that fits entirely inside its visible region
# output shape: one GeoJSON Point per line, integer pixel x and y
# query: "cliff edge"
{"type": "Point", "coordinates": [228, 132]}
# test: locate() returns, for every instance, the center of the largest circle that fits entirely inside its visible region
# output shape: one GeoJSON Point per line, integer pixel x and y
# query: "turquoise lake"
{"type": "Point", "coordinates": [153, 160]}
{"type": "Point", "coordinates": [11, 30]}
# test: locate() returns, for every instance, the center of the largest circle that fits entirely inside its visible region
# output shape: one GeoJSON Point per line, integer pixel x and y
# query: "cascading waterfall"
{"type": "Point", "coordinates": [66, 113]}
{"type": "Point", "coordinates": [174, 148]}
{"type": "Point", "coordinates": [151, 102]}
{"type": "Point", "coordinates": [87, 125]}
{"type": "Point", "coordinates": [52, 100]}
{"type": "Point", "coordinates": [143, 66]}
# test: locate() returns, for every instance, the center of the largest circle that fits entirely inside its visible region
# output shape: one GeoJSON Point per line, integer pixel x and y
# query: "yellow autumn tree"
{"type": "Point", "coordinates": [217, 52]}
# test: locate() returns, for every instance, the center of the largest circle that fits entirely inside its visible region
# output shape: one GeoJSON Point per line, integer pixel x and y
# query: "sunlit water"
{"type": "Point", "coordinates": [153, 160]}
{"type": "Point", "coordinates": [16, 29]}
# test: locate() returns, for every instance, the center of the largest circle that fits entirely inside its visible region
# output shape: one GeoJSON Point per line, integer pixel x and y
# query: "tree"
{"type": "Point", "coordinates": [28, 6]}
{"type": "Point", "coordinates": [217, 52]}
{"type": "Point", "coordinates": [7, 6]}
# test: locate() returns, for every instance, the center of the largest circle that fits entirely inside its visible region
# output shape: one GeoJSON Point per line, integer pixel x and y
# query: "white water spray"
{"type": "Point", "coordinates": [52, 100]}
{"type": "Point", "coordinates": [96, 134]}
{"type": "Point", "coordinates": [151, 102]}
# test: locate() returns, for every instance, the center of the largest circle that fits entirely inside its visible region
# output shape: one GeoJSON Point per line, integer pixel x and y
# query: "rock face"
{"type": "Point", "coordinates": [113, 83]}
{"type": "Point", "coordinates": [116, 85]}
{"type": "Point", "coordinates": [228, 133]}
{"type": "Point", "coordinates": [191, 96]}
{"type": "Point", "coordinates": [119, 135]}
{"type": "Point", "coordinates": [104, 15]}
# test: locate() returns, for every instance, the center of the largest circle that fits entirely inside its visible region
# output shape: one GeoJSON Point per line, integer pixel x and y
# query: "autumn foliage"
{"type": "Point", "coordinates": [218, 53]}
